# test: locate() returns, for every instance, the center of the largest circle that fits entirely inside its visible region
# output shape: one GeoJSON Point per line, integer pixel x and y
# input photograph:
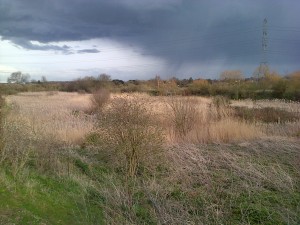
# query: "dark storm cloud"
{"type": "Point", "coordinates": [88, 51]}
{"type": "Point", "coordinates": [29, 45]}
{"type": "Point", "coordinates": [178, 31]}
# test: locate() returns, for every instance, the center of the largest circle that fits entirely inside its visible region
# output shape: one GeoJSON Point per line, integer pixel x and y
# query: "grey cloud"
{"type": "Point", "coordinates": [45, 47]}
{"type": "Point", "coordinates": [180, 31]}
{"type": "Point", "coordinates": [88, 51]}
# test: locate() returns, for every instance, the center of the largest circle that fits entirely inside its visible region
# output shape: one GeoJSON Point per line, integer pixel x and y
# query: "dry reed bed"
{"type": "Point", "coordinates": [62, 116]}
{"type": "Point", "coordinates": [290, 106]}
{"type": "Point", "coordinates": [55, 114]}
{"type": "Point", "coordinates": [208, 123]}
{"type": "Point", "coordinates": [286, 129]}
{"type": "Point", "coordinates": [211, 123]}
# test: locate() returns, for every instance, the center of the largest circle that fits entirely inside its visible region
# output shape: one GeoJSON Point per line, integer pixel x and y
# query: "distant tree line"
{"type": "Point", "coordinates": [231, 83]}
{"type": "Point", "coordinates": [18, 78]}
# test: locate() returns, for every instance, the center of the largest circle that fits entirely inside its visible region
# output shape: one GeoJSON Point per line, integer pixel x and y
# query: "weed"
{"type": "Point", "coordinates": [84, 167]}
{"type": "Point", "coordinates": [93, 138]}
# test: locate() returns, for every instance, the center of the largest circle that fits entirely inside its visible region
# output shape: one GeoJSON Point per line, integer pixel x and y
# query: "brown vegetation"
{"type": "Point", "coordinates": [196, 121]}
{"type": "Point", "coordinates": [140, 159]}
{"type": "Point", "coordinates": [266, 115]}
{"type": "Point", "coordinates": [99, 98]}
{"type": "Point", "coordinates": [38, 126]}
{"type": "Point", "coordinates": [129, 130]}
{"type": "Point", "coordinates": [183, 115]}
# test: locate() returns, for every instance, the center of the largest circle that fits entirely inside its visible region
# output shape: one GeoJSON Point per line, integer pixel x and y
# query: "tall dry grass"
{"type": "Point", "coordinates": [209, 121]}
{"type": "Point", "coordinates": [99, 99]}
{"type": "Point", "coordinates": [38, 126]}
{"type": "Point", "coordinates": [51, 120]}
{"type": "Point", "coordinates": [183, 116]}
{"type": "Point", "coordinates": [61, 117]}
{"type": "Point", "coordinates": [57, 115]}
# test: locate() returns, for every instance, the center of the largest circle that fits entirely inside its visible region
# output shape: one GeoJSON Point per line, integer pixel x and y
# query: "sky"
{"type": "Point", "coordinates": [139, 39]}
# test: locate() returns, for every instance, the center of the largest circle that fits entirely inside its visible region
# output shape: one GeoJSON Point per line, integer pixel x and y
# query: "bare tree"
{"type": "Point", "coordinates": [104, 77]}
{"type": "Point", "coordinates": [231, 75]}
{"type": "Point", "coordinates": [43, 79]}
{"type": "Point", "coordinates": [261, 71]}
{"type": "Point", "coordinates": [18, 77]}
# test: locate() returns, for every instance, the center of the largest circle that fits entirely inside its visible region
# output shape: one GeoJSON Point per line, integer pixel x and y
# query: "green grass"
{"type": "Point", "coordinates": [38, 199]}
{"type": "Point", "coordinates": [265, 207]}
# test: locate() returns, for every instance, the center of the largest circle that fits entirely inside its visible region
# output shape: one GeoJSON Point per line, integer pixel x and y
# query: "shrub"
{"type": "Point", "coordinates": [128, 128]}
{"type": "Point", "coordinates": [279, 89]}
{"type": "Point", "coordinates": [220, 101]}
{"type": "Point", "coordinates": [220, 107]}
{"type": "Point", "coordinates": [99, 99]}
{"type": "Point", "coordinates": [184, 115]}
{"type": "Point", "coordinates": [199, 87]}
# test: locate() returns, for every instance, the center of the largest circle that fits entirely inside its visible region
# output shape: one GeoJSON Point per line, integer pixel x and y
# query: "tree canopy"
{"type": "Point", "coordinates": [18, 77]}
{"type": "Point", "coordinates": [231, 75]}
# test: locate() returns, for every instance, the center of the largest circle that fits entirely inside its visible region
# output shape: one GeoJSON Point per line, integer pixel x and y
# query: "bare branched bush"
{"type": "Point", "coordinates": [184, 115]}
{"type": "Point", "coordinates": [220, 107]}
{"type": "Point", "coordinates": [99, 98]}
{"type": "Point", "coordinates": [127, 127]}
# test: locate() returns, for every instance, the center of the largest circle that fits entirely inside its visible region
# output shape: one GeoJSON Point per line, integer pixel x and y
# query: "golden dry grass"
{"type": "Point", "coordinates": [58, 115]}
{"type": "Point", "coordinates": [61, 116]}
{"type": "Point", "coordinates": [212, 124]}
